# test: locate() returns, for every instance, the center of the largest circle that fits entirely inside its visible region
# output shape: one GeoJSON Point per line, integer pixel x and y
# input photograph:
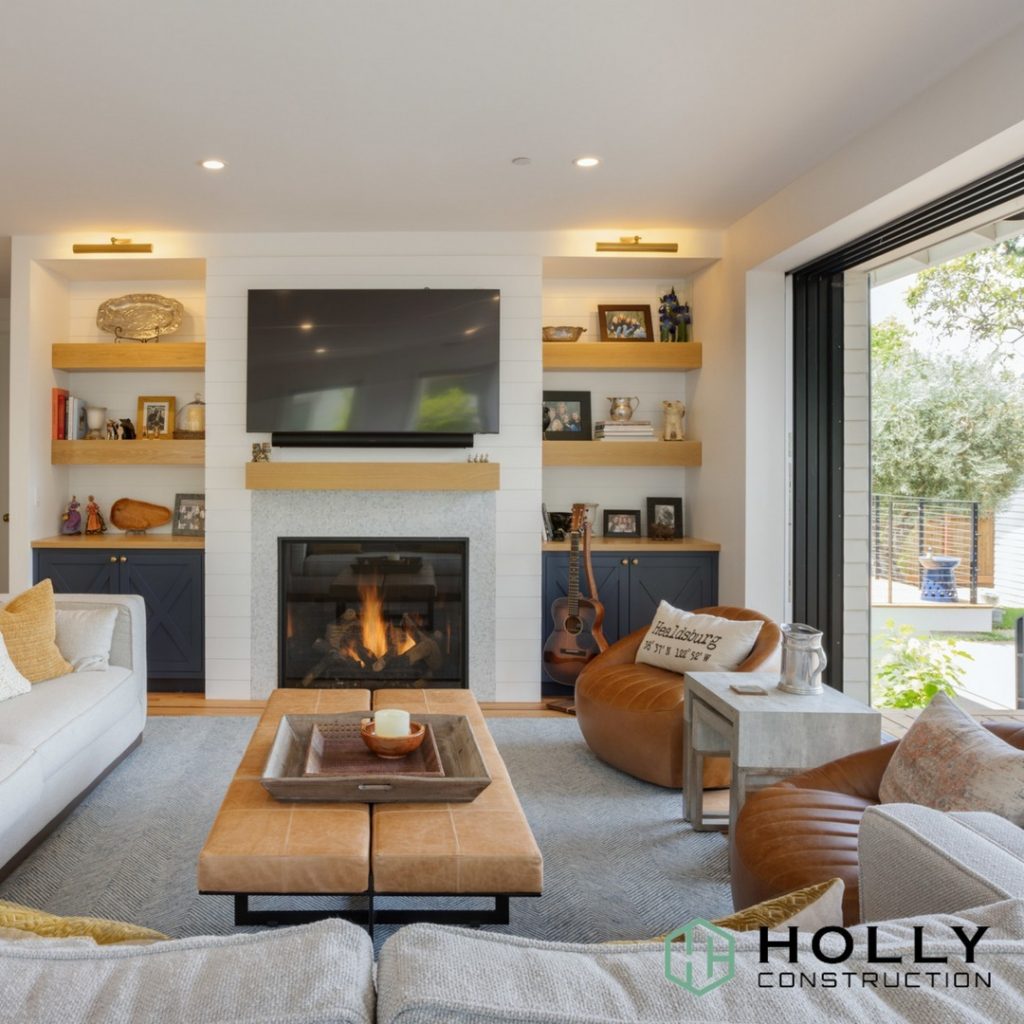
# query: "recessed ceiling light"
{"type": "Point", "coordinates": [320, 351]}
{"type": "Point", "coordinates": [521, 161]}
{"type": "Point", "coordinates": [212, 164]}
{"type": "Point", "coordinates": [306, 325]}
{"type": "Point", "coordinates": [586, 161]}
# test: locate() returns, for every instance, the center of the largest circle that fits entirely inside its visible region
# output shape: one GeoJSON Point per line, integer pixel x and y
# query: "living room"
{"type": "Point", "coordinates": [411, 458]}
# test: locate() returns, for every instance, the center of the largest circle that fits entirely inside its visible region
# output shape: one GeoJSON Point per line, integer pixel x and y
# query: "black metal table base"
{"type": "Point", "coordinates": [371, 915]}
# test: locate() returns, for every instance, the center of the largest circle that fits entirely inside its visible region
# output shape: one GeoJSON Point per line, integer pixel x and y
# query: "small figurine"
{"type": "Point", "coordinates": [94, 521]}
{"type": "Point", "coordinates": [111, 430]}
{"type": "Point", "coordinates": [261, 452]}
{"type": "Point", "coordinates": [71, 520]}
{"type": "Point", "coordinates": [673, 426]}
{"type": "Point", "coordinates": [674, 318]}
{"type": "Point", "coordinates": [127, 431]}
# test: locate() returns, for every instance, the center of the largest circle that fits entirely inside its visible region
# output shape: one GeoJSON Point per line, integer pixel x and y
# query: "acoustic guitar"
{"type": "Point", "coordinates": [577, 636]}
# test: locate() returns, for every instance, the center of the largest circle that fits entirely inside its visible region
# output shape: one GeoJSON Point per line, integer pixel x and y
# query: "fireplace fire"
{"type": "Point", "coordinates": [373, 613]}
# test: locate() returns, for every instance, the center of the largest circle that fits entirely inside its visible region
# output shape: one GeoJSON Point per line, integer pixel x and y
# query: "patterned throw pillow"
{"type": "Point", "coordinates": [28, 624]}
{"type": "Point", "coordinates": [50, 926]}
{"type": "Point", "coordinates": [12, 682]}
{"type": "Point", "coordinates": [816, 906]}
{"type": "Point", "coordinates": [950, 762]}
{"type": "Point", "coordinates": [683, 642]}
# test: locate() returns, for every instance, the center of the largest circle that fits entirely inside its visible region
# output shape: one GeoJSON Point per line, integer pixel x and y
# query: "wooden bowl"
{"type": "Point", "coordinates": [392, 747]}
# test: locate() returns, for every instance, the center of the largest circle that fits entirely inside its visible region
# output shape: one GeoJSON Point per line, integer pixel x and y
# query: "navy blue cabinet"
{"type": "Point", "coordinates": [630, 585]}
{"type": "Point", "coordinates": [170, 581]}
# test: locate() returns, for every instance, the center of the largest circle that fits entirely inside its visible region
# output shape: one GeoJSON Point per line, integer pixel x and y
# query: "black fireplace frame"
{"type": "Point", "coordinates": [282, 596]}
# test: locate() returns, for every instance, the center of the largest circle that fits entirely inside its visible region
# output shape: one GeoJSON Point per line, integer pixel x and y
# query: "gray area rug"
{"type": "Point", "coordinates": [618, 860]}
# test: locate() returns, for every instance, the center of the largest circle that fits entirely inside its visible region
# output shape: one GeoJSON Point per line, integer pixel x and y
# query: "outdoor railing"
{"type": "Point", "coordinates": [904, 529]}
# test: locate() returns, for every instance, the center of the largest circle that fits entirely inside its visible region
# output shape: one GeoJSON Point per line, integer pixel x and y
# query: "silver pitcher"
{"type": "Point", "coordinates": [622, 409]}
{"type": "Point", "coordinates": [803, 659]}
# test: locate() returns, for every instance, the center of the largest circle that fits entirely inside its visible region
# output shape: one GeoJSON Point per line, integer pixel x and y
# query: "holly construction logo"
{"type": "Point", "coordinates": [706, 967]}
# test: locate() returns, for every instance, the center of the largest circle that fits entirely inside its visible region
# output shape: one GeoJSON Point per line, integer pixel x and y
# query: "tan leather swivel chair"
{"type": "Point", "coordinates": [632, 715]}
{"type": "Point", "coordinates": [803, 829]}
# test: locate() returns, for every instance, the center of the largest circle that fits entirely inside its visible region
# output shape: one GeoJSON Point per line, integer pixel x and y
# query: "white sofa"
{"type": "Point", "coordinates": [59, 740]}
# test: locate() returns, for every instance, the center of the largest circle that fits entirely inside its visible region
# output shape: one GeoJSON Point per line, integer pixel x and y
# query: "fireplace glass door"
{"type": "Point", "coordinates": [372, 613]}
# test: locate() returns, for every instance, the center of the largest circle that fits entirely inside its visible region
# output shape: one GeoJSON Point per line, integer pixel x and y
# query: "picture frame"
{"type": "Point", "coordinates": [665, 518]}
{"type": "Point", "coordinates": [156, 417]}
{"type": "Point", "coordinates": [549, 530]}
{"type": "Point", "coordinates": [189, 515]}
{"type": "Point", "coordinates": [621, 522]}
{"type": "Point", "coordinates": [567, 416]}
{"type": "Point", "coordinates": [561, 522]}
{"type": "Point", "coordinates": [625, 322]}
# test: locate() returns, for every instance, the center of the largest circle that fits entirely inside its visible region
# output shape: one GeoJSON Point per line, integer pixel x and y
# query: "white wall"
{"type": "Point", "coordinates": [1009, 554]}
{"type": "Point", "coordinates": [964, 126]}
{"type": "Point", "coordinates": [5, 377]}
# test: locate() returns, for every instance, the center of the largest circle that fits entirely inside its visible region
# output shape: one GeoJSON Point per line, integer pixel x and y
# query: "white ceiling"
{"type": "Point", "coordinates": [405, 114]}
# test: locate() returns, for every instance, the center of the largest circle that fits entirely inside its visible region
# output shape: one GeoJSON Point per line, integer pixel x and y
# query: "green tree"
{"type": "Point", "coordinates": [947, 428]}
{"type": "Point", "coordinates": [980, 295]}
{"type": "Point", "coordinates": [890, 341]}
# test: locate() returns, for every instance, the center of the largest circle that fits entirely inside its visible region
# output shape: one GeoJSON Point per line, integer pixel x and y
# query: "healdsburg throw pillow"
{"type": "Point", "coordinates": [84, 636]}
{"type": "Point", "coordinates": [950, 762]}
{"type": "Point", "coordinates": [28, 624]}
{"type": "Point", "coordinates": [683, 642]}
{"type": "Point", "coordinates": [12, 682]}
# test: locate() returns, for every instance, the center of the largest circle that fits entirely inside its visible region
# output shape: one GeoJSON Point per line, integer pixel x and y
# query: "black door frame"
{"type": "Point", "coordinates": [818, 410]}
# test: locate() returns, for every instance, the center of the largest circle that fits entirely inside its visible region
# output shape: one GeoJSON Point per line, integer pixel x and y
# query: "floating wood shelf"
{"type": "Point", "coordinates": [106, 356]}
{"type": "Point", "coordinates": [119, 540]}
{"type": "Point", "coordinates": [622, 355]}
{"type": "Point", "coordinates": [622, 453]}
{"type": "Point", "coordinates": [372, 476]}
{"type": "Point", "coordinates": [651, 547]}
{"type": "Point", "coordinates": [127, 453]}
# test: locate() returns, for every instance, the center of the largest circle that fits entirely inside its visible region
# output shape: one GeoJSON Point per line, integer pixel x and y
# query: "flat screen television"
{"type": "Point", "coordinates": [373, 367]}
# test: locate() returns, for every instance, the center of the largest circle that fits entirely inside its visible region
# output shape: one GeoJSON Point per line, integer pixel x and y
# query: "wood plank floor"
{"type": "Point", "coordinates": [162, 704]}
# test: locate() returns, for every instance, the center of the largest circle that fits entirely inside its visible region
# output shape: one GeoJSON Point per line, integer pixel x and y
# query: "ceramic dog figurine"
{"type": "Point", "coordinates": [673, 427]}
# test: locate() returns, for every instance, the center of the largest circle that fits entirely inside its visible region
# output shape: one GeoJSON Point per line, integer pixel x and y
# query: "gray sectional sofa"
{"type": "Point", "coordinates": [59, 740]}
{"type": "Point", "coordinates": [324, 973]}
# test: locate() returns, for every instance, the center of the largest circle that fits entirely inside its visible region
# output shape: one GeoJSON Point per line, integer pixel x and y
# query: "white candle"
{"type": "Point", "coordinates": [391, 722]}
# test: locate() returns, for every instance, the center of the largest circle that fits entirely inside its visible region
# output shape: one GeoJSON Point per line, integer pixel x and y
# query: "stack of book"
{"type": "Point", "coordinates": [631, 430]}
{"type": "Point", "coordinates": [67, 416]}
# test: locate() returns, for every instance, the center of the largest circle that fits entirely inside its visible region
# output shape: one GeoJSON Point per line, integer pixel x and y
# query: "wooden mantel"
{"type": "Point", "coordinates": [372, 476]}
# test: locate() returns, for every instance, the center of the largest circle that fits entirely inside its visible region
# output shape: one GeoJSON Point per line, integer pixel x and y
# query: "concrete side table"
{"type": "Point", "coordinates": [768, 736]}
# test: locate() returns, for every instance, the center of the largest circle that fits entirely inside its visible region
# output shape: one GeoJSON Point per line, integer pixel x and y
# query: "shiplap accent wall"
{"type": "Point", "coordinates": [229, 575]}
{"type": "Point", "coordinates": [574, 301]}
{"type": "Point", "coordinates": [857, 486]}
{"type": "Point", "coordinates": [119, 392]}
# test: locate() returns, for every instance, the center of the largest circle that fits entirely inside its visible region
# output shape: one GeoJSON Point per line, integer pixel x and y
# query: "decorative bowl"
{"type": "Point", "coordinates": [562, 333]}
{"type": "Point", "coordinates": [141, 316]}
{"type": "Point", "coordinates": [392, 747]}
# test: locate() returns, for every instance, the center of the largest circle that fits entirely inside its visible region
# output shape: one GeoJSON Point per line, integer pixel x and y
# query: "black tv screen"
{"type": "Point", "coordinates": [373, 363]}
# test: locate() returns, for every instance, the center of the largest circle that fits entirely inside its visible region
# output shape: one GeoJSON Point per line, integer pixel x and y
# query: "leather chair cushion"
{"type": "Point", "coordinates": [634, 687]}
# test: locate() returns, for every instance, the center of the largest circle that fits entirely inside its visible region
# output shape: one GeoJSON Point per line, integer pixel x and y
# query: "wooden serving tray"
{"type": "Point", "coordinates": [465, 774]}
{"type": "Point", "coordinates": [337, 748]}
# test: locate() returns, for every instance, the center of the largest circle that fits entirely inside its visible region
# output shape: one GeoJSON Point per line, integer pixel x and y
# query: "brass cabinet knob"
{"type": "Point", "coordinates": [113, 558]}
{"type": "Point", "coordinates": [124, 558]}
{"type": "Point", "coordinates": [625, 561]}
{"type": "Point", "coordinates": [636, 561]}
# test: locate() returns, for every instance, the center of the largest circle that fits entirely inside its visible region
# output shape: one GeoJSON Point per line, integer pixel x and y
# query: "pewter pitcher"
{"type": "Point", "coordinates": [803, 659]}
{"type": "Point", "coordinates": [622, 409]}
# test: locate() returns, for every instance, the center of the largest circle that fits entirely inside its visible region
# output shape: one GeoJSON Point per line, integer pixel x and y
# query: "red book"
{"type": "Point", "coordinates": [54, 392]}
{"type": "Point", "coordinates": [62, 414]}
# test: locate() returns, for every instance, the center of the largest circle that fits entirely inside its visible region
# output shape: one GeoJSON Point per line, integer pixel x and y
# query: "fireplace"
{"type": "Point", "coordinates": [373, 613]}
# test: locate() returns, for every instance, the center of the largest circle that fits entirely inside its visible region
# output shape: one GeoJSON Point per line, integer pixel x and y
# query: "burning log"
{"type": "Point", "coordinates": [425, 647]}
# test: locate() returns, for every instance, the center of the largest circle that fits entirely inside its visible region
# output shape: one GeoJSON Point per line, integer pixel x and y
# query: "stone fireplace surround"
{"type": "Point", "coordinates": [374, 514]}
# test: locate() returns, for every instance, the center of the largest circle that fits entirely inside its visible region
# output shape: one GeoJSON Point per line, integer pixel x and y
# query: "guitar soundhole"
{"type": "Point", "coordinates": [573, 625]}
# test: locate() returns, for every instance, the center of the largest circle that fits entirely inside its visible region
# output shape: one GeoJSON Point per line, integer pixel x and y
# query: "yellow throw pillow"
{"type": "Point", "coordinates": [816, 906]}
{"type": "Point", "coordinates": [50, 926]}
{"type": "Point", "coordinates": [28, 624]}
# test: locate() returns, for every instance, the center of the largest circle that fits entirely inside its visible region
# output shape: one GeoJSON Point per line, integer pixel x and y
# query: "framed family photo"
{"type": "Point", "coordinates": [625, 323]}
{"type": "Point", "coordinates": [567, 416]}
{"type": "Point", "coordinates": [620, 522]}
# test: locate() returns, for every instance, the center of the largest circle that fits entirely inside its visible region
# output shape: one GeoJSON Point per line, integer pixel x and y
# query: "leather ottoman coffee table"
{"type": "Point", "coordinates": [262, 846]}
